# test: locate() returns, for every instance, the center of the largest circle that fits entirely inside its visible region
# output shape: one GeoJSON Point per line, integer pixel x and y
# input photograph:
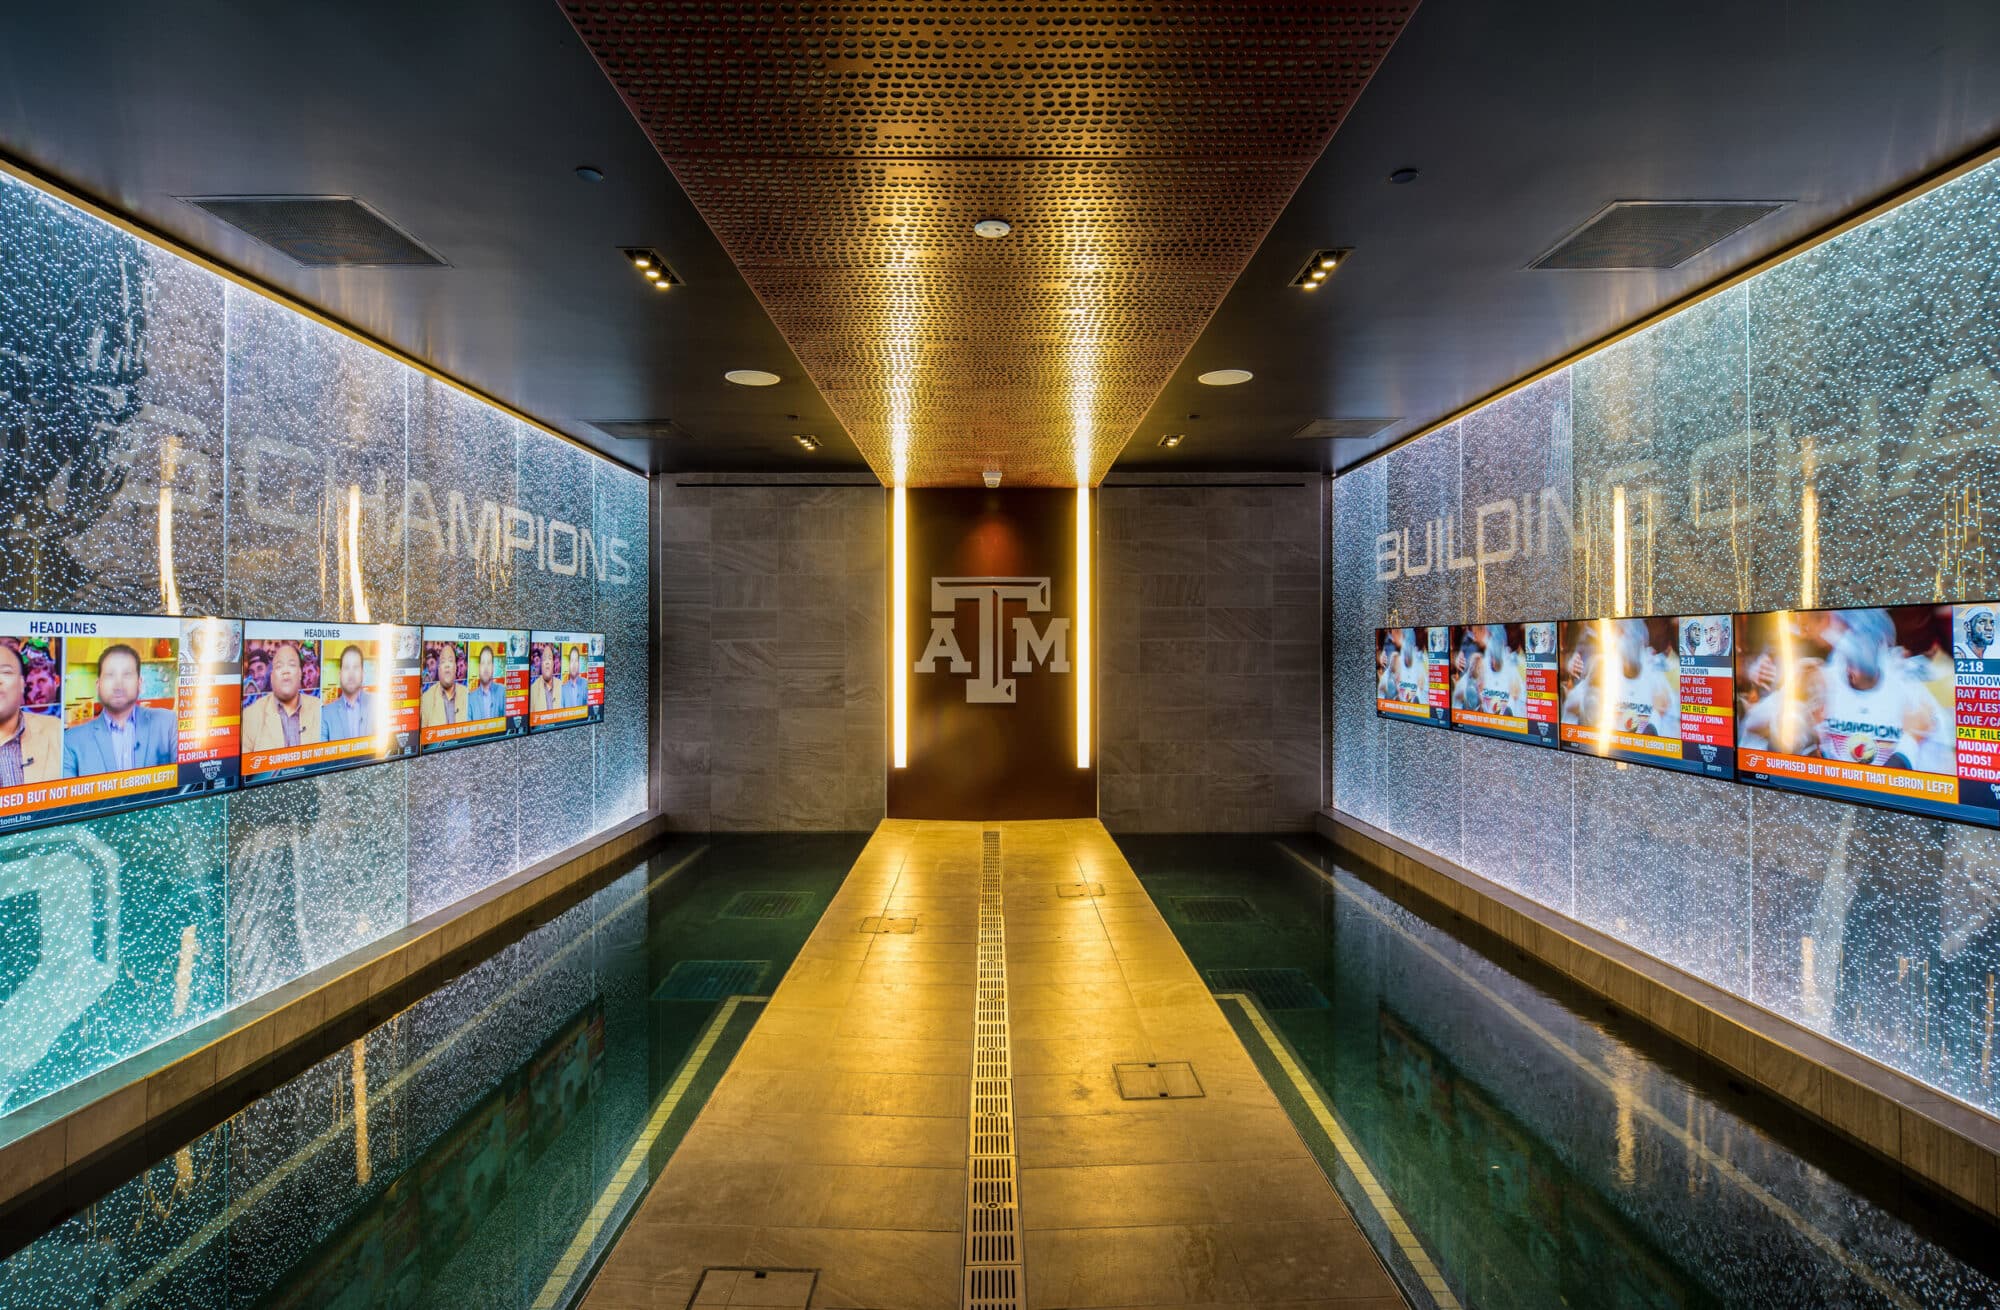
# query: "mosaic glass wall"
{"type": "Point", "coordinates": [174, 443]}
{"type": "Point", "coordinates": [1825, 433]}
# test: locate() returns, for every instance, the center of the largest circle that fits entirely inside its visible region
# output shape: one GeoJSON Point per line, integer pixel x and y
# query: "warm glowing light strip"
{"type": "Point", "coordinates": [170, 595]}
{"type": "Point", "coordinates": [1082, 664]}
{"type": "Point", "coordinates": [1607, 703]}
{"type": "Point", "coordinates": [1621, 597]}
{"type": "Point", "coordinates": [899, 629]}
{"type": "Point", "coordinates": [1808, 548]}
{"type": "Point", "coordinates": [354, 551]}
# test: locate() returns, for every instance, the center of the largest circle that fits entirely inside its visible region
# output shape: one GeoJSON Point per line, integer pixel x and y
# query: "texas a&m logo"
{"type": "Point", "coordinates": [998, 629]}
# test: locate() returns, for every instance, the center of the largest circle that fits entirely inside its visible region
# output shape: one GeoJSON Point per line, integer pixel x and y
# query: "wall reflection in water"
{"type": "Point", "coordinates": [453, 1155]}
{"type": "Point", "coordinates": [453, 1151]}
{"type": "Point", "coordinates": [1542, 1153]}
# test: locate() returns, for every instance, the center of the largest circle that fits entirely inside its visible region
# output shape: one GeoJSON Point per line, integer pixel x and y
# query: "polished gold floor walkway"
{"type": "Point", "coordinates": [838, 1139]}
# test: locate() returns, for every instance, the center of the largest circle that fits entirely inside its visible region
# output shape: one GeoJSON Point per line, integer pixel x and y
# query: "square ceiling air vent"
{"type": "Point", "coordinates": [322, 231]}
{"type": "Point", "coordinates": [642, 429]}
{"type": "Point", "coordinates": [1323, 429]}
{"type": "Point", "coordinates": [1632, 234]}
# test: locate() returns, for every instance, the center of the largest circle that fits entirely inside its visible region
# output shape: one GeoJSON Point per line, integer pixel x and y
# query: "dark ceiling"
{"type": "Point", "coordinates": [1524, 120]}
{"type": "Point", "coordinates": [462, 121]}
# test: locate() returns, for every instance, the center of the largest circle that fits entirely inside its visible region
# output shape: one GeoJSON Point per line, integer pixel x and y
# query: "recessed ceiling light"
{"type": "Point", "coordinates": [1403, 176]}
{"type": "Point", "coordinates": [650, 266]}
{"type": "Point", "coordinates": [587, 173]}
{"type": "Point", "coordinates": [991, 477]}
{"type": "Point", "coordinates": [1225, 377]}
{"type": "Point", "coordinates": [1173, 439]}
{"type": "Point", "coordinates": [992, 228]}
{"type": "Point", "coordinates": [807, 440]}
{"type": "Point", "coordinates": [750, 377]}
{"type": "Point", "coordinates": [1317, 269]}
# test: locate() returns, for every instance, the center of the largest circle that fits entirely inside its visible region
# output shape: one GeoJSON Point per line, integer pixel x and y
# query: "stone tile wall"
{"type": "Point", "coordinates": [1209, 684]}
{"type": "Point", "coordinates": [772, 610]}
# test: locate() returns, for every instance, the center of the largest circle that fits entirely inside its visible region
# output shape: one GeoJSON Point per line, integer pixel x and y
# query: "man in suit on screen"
{"type": "Point", "coordinates": [124, 734]}
{"type": "Point", "coordinates": [443, 701]}
{"type": "Point", "coordinates": [575, 687]}
{"type": "Point", "coordinates": [289, 715]}
{"type": "Point", "coordinates": [489, 698]}
{"type": "Point", "coordinates": [544, 693]}
{"type": "Point", "coordinates": [30, 744]}
{"type": "Point", "coordinates": [351, 711]}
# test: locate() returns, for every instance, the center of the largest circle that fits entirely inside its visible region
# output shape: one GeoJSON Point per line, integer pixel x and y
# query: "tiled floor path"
{"type": "Point", "coordinates": [837, 1141]}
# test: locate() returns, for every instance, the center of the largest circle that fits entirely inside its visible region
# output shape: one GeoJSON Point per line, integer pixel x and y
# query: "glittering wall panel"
{"type": "Point", "coordinates": [112, 938]}
{"type": "Point", "coordinates": [1358, 522]}
{"type": "Point", "coordinates": [111, 377]}
{"type": "Point", "coordinates": [316, 869]}
{"type": "Point", "coordinates": [1827, 432]}
{"type": "Point", "coordinates": [1875, 374]}
{"type": "Point", "coordinates": [140, 396]}
{"type": "Point", "coordinates": [1662, 450]}
{"type": "Point", "coordinates": [316, 469]}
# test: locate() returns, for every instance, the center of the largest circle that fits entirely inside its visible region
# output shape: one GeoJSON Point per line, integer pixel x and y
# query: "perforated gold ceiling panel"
{"type": "Point", "coordinates": [842, 153]}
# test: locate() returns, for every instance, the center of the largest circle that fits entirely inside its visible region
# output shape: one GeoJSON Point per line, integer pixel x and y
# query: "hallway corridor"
{"type": "Point", "coordinates": [836, 1145]}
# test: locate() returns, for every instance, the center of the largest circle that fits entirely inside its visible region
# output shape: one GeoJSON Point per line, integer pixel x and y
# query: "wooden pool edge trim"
{"type": "Point", "coordinates": [106, 1113]}
{"type": "Point", "coordinates": [1927, 1135]}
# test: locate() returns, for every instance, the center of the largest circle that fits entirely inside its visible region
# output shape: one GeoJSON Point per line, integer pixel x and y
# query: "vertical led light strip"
{"type": "Point", "coordinates": [1082, 627]}
{"type": "Point", "coordinates": [1621, 596]}
{"type": "Point", "coordinates": [1808, 547]}
{"type": "Point", "coordinates": [899, 628]}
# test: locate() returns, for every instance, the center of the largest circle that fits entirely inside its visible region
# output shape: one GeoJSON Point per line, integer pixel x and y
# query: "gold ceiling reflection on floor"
{"type": "Point", "coordinates": [842, 153]}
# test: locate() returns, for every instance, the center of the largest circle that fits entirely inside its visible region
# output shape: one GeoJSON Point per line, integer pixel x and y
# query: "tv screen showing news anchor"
{"type": "Point", "coordinates": [565, 679]}
{"type": "Point", "coordinates": [474, 685]}
{"type": "Point", "coordinates": [103, 712]}
{"type": "Point", "coordinates": [324, 696]}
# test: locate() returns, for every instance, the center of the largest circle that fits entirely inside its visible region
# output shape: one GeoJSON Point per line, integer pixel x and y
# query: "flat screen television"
{"type": "Point", "coordinates": [1897, 707]}
{"type": "Point", "coordinates": [1503, 680]}
{"type": "Point", "coordinates": [473, 686]}
{"type": "Point", "coordinates": [1658, 691]}
{"type": "Point", "coordinates": [102, 712]}
{"type": "Point", "coordinates": [1413, 674]}
{"type": "Point", "coordinates": [318, 697]}
{"type": "Point", "coordinates": [565, 679]}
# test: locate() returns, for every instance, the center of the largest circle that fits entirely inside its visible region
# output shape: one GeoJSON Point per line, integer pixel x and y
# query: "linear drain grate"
{"type": "Point", "coordinates": [993, 1287]}
{"type": "Point", "coordinates": [711, 980]}
{"type": "Point", "coordinates": [1211, 909]}
{"type": "Point", "coordinates": [1275, 989]}
{"type": "Point", "coordinates": [992, 1216]}
{"type": "Point", "coordinates": [765, 905]}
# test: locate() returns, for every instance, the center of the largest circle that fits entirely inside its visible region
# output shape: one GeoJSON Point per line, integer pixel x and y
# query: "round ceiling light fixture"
{"type": "Point", "coordinates": [751, 377]}
{"type": "Point", "coordinates": [1403, 176]}
{"type": "Point", "coordinates": [589, 173]}
{"type": "Point", "coordinates": [1225, 377]}
{"type": "Point", "coordinates": [992, 228]}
